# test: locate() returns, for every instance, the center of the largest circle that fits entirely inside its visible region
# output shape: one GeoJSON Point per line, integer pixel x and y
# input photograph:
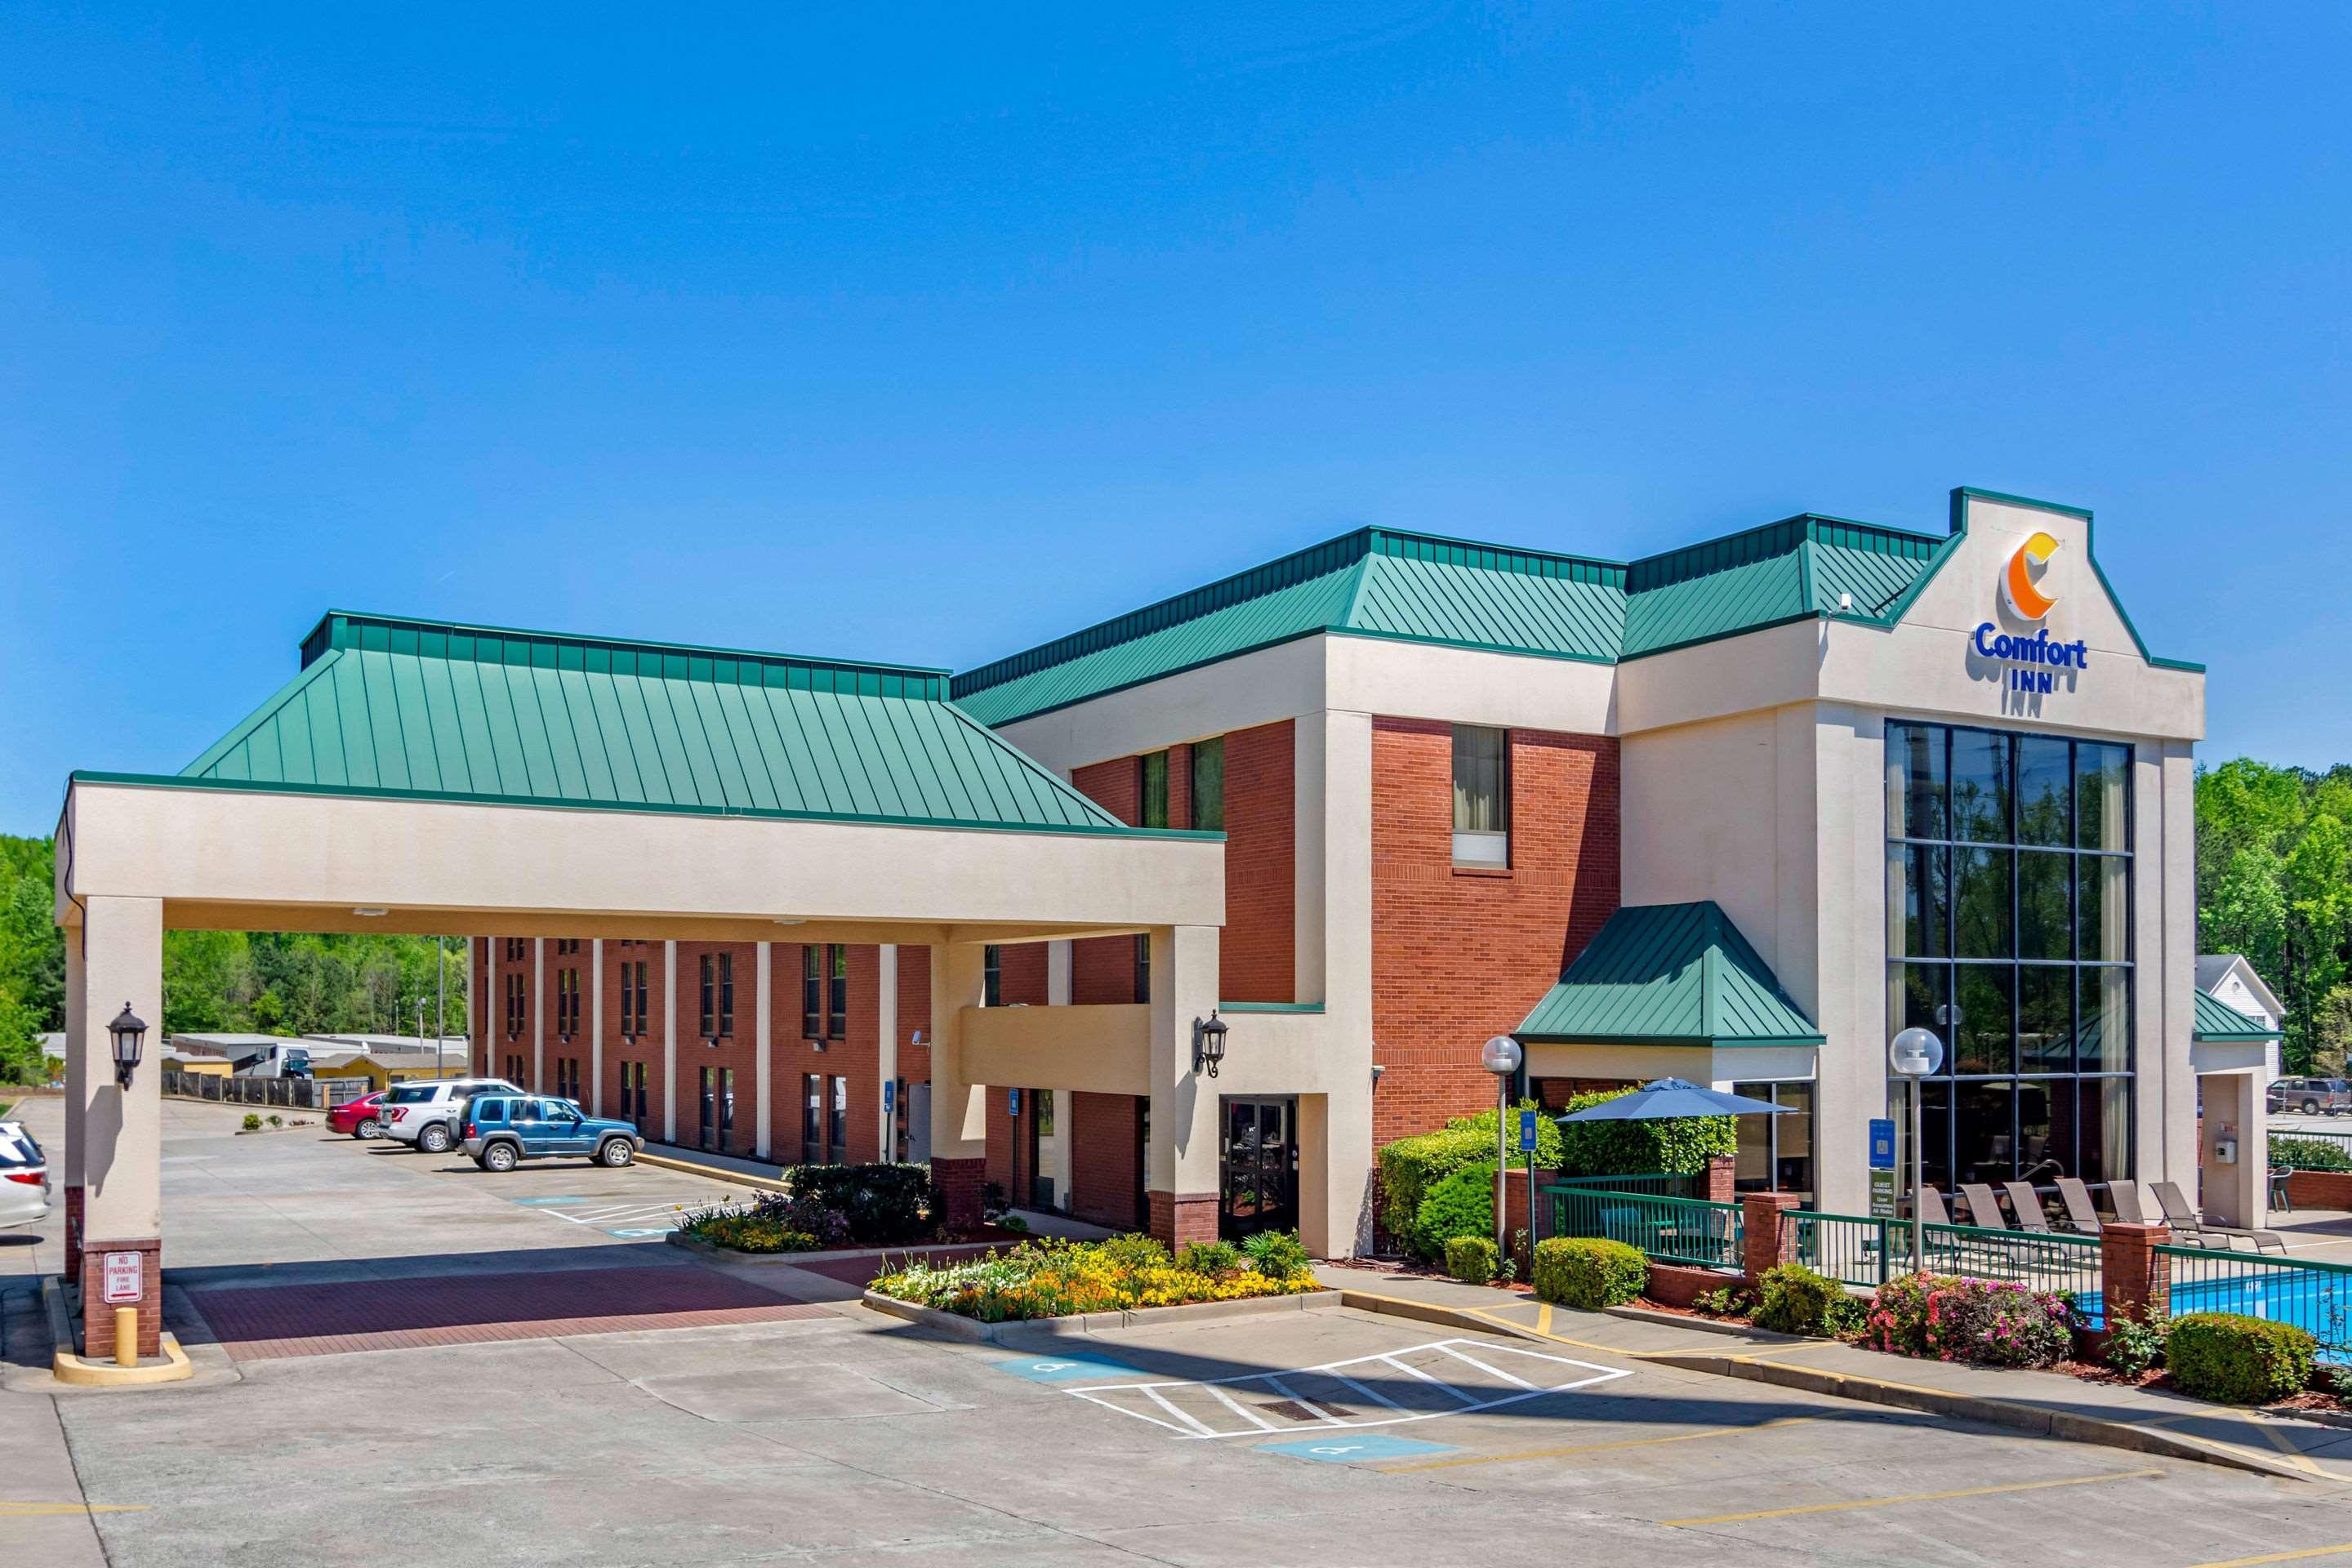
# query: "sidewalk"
{"type": "Point", "coordinates": [2111, 1415]}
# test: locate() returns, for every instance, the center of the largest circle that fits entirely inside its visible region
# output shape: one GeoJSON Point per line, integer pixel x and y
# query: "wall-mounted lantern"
{"type": "Point", "coordinates": [129, 1032]}
{"type": "Point", "coordinates": [1208, 1042]}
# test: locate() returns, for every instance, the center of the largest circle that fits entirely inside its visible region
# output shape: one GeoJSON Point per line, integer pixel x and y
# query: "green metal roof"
{"type": "Point", "coordinates": [1669, 974]}
{"type": "Point", "coordinates": [392, 706]}
{"type": "Point", "coordinates": [2217, 1021]}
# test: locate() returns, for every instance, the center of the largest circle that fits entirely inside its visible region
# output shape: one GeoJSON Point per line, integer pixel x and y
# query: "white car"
{"type": "Point", "coordinates": [426, 1115]}
{"type": "Point", "coordinates": [24, 1178]}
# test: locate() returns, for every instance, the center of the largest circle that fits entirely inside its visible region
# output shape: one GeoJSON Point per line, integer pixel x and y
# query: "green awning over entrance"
{"type": "Point", "coordinates": [386, 706]}
{"type": "Point", "coordinates": [2218, 1022]}
{"type": "Point", "coordinates": [1669, 974]}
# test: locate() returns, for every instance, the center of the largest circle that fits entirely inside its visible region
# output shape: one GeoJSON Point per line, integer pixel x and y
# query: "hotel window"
{"type": "Point", "coordinates": [726, 995]}
{"type": "Point", "coordinates": [836, 993]}
{"type": "Point", "coordinates": [1209, 784]}
{"type": "Point", "coordinates": [567, 1002]}
{"type": "Point", "coordinates": [811, 1120]}
{"type": "Point", "coordinates": [1775, 1153]}
{"type": "Point", "coordinates": [514, 1004]}
{"type": "Point", "coordinates": [837, 1125]}
{"type": "Point", "coordinates": [635, 1003]}
{"type": "Point", "coordinates": [518, 949]}
{"type": "Point", "coordinates": [718, 995]}
{"type": "Point", "coordinates": [1152, 794]}
{"type": "Point", "coordinates": [812, 993]}
{"type": "Point", "coordinates": [567, 947]}
{"type": "Point", "coordinates": [992, 976]}
{"type": "Point", "coordinates": [1482, 796]}
{"type": "Point", "coordinates": [2009, 893]}
{"type": "Point", "coordinates": [1144, 967]}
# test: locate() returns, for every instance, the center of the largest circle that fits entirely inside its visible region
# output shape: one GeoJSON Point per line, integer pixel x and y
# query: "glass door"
{"type": "Point", "coordinates": [1258, 1166]}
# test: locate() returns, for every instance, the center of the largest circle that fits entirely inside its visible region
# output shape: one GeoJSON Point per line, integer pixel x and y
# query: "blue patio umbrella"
{"type": "Point", "coordinates": [1671, 1096]}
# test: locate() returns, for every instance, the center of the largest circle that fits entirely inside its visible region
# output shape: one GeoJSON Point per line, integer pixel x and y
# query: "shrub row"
{"type": "Point", "coordinates": [1588, 1273]}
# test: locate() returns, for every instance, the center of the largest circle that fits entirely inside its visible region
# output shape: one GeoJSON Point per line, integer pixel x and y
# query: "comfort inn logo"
{"type": "Point", "coordinates": [2028, 602]}
{"type": "Point", "coordinates": [2017, 586]}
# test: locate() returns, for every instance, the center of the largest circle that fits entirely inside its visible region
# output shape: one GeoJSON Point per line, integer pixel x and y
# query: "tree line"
{"type": "Point", "coordinates": [2275, 883]}
{"type": "Point", "coordinates": [217, 982]}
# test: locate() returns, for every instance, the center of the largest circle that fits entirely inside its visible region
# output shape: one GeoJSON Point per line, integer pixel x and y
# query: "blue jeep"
{"type": "Point", "coordinates": [500, 1130]}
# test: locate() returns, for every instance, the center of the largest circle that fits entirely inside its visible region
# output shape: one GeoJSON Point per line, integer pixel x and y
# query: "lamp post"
{"type": "Point", "coordinates": [1501, 1057]}
{"type": "Point", "coordinates": [129, 1032]}
{"type": "Point", "coordinates": [1913, 1055]}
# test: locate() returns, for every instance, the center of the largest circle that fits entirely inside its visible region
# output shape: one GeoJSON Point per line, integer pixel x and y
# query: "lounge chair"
{"type": "Point", "coordinates": [2125, 1197]}
{"type": "Point", "coordinates": [2027, 1203]}
{"type": "Point", "coordinates": [1931, 1207]}
{"type": "Point", "coordinates": [2080, 1212]}
{"type": "Point", "coordinates": [1984, 1209]}
{"type": "Point", "coordinates": [2183, 1219]}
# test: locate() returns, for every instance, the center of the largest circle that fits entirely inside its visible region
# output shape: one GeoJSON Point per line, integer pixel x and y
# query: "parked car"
{"type": "Point", "coordinates": [502, 1130]}
{"type": "Point", "coordinates": [23, 1177]}
{"type": "Point", "coordinates": [359, 1118]}
{"type": "Point", "coordinates": [2311, 1096]}
{"type": "Point", "coordinates": [426, 1115]}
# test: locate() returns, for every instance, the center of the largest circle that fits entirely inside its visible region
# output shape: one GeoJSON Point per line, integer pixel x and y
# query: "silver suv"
{"type": "Point", "coordinates": [426, 1115]}
{"type": "Point", "coordinates": [2311, 1096]}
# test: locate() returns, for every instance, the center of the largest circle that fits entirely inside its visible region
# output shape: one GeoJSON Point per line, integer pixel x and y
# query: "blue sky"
{"type": "Point", "coordinates": [927, 333]}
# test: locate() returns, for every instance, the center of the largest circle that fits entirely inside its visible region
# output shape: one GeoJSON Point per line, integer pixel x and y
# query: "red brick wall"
{"type": "Point", "coordinates": [647, 1046]}
{"type": "Point", "coordinates": [1007, 1132]}
{"type": "Point", "coordinates": [1257, 952]}
{"type": "Point", "coordinates": [1459, 955]}
{"type": "Point", "coordinates": [1105, 1157]}
{"type": "Point", "coordinates": [738, 1051]}
{"type": "Point", "coordinates": [914, 1013]}
{"type": "Point", "coordinates": [857, 1057]}
{"type": "Point", "coordinates": [1021, 973]}
{"type": "Point", "coordinates": [1102, 968]}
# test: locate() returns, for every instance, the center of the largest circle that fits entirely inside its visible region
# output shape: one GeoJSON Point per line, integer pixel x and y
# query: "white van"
{"type": "Point", "coordinates": [426, 1115]}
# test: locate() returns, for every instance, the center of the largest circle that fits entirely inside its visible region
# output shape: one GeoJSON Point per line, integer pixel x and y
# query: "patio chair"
{"type": "Point", "coordinates": [2183, 1219]}
{"type": "Point", "coordinates": [2080, 1212]}
{"type": "Point", "coordinates": [1931, 1207]}
{"type": "Point", "coordinates": [2125, 1197]}
{"type": "Point", "coordinates": [2024, 1199]}
{"type": "Point", "coordinates": [1984, 1209]}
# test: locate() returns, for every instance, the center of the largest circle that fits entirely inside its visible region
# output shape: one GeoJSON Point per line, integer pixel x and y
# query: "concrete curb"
{"type": "Point", "coordinates": [2064, 1425]}
{"type": "Point", "coordinates": [70, 1368]}
{"type": "Point", "coordinates": [694, 1243]}
{"type": "Point", "coordinates": [950, 1325]}
{"type": "Point", "coordinates": [1444, 1317]}
{"type": "Point", "coordinates": [716, 1172]}
{"type": "Point", "coordinates": [1706, 1325]}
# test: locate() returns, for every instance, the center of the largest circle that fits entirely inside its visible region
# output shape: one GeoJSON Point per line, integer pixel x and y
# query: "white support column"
{"type": "Point", "coordinates": [763, 1035]}
{"type": "Point", "coordinates": [1183, 1162]}
{"type": "Point", "coordinates": [122, 1142]}
{"type": "Point", "coordinates": [76, 1101]}
{"type": "Point", "coordinates": [958, 1109]}
{"type": "Point", "coordinates": [670, 1042]}
{"type": "Point", "coordinates": [596, 1027]}
{"type": "Point", "coordinates": [1065, 1170]}
{"type": "Point", "coordinates": [1057, 974]}
{"type": "Point", "coordinates": [538, 1011]}
{"type": "Point", "coordinates": [885, 1047]}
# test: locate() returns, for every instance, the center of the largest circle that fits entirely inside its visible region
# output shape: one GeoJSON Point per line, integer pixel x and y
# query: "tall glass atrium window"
{"type": "Point", "coordinates": [2009, 896]}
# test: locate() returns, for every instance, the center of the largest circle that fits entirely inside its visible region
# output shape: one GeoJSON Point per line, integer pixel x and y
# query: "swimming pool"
{"type": "Point", "coordinates": [2315, 1299]}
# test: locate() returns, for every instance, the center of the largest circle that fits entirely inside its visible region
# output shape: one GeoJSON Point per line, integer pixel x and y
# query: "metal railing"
{"type": "Point", "coordinates": [1658, 1184]}
{"type": "Point", "coordinates": [2285, 1155]}
{"type": "Point", "coordinates": [1855, 1249]}
{"type": "Point", "coordinates": [294, 1093]}
{"type": "Point", "coordinates": [2315, 1297]}
{"type": "Point", "coordinates": [2038, 1260]}
{"type": "Point", "coordinates": [1688, 1231]}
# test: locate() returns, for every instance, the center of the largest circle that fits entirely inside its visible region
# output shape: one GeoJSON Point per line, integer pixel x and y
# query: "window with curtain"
{"type": "Point", "coordinates": [812, 991]}
{"type": "Point", "coordinates": [1209, 784]}
{"type": "Point", "coordinates": [836, 996]}
{"type": "Point", "coordinates": [1153, 789]}
{"type": "Point", "coordinates": [2009, 879]}
{"type": "Point", "coordinates": [1482, 796]}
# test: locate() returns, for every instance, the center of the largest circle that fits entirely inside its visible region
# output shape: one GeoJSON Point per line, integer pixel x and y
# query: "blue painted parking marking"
{"type": "Point", "coordinates": [634, 1235]}
{"type": "Point", "coordinates": [544, 1202]}
{"type": "Point", "coordinates": [1353, 1448]}
{"type": "Point", "coordinates": [1064, 1368]}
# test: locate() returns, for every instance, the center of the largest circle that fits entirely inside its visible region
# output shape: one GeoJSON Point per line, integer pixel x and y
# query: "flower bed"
{"type": "Point", "coordinates": [1985, 1322]}
{"type": "Point", "coordinates": [1053, 1278]}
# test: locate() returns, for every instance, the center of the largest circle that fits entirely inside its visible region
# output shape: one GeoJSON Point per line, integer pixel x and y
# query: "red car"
{"type": "Point", "coordinates": [357, 1117]}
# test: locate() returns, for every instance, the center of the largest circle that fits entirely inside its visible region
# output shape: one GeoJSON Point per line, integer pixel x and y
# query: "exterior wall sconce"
{"type": "Point", "coordinates": [129, 1032]}
{"type": "Point", "coordinates": [1208, 1042]}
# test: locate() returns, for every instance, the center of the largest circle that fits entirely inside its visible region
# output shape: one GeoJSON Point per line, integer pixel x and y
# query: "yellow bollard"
{"type": "Point", "coordinates": [126, 1336]}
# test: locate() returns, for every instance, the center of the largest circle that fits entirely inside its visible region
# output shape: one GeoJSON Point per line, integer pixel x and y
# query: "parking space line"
{"type": "Point", "coordinates": [1915, 1496]}
{"type": "Point", "coordinates": [1482, 1366]}
{"type": "Point", "coordinates": [2303, 1555]}
{"type": "Point", "coordinates": [1438, 1383]}
{"type": "Point", "coordinates": [1306, 1404]}
{"type": "Point", "coordinates": [1374, 1394]}
{"type": "Point", "coordinates": [45, 1509]}
{"type": "Point", "coordinates": [2283, 1444]}
{"type": "Point", "coordinates": [1238, 1408]}
{"type": "Point", "coordinates": [1194, 1422]}
{"type": "Point", "coordinates": [1598, 1448]}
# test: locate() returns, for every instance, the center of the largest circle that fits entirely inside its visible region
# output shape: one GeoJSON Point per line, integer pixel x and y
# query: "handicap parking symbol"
{"type": "Point", "coordinates": [1352, 1448]}
{"type": "Point", "coordinates": [634, 1235]}
{"type": "Point", "coordinates": [1064, 1369]}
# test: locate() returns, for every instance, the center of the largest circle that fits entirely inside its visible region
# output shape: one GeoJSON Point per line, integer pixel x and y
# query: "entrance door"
{"type": "Point", "coordinates": [1258, 1166]}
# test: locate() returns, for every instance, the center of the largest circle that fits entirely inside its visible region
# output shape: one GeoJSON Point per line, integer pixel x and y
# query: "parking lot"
{"type": "Point", "coordinates": [548, 1389]}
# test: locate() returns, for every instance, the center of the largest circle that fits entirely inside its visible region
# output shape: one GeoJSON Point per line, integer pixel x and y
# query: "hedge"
{"type": "Point", "coordinates": [885, 1204]}
{"type": "Point", "coordinates": [1793, 1300]}
{"type": "Point", "coordinates": [2238, 1359]}
{"type": "Point", "coordinates": [1679, 1145]}
{"type": "Point", "coordinates": [1590, 1273]}
{"type": "Point", "coordinates": [2309, 1154]}
{"type": "Point", "coordinates": [1473, 1259]}
{"type": "Point", "coordinates": [1461, 1205]}
{"type": "Point", "coordinates": [1411, 1166]}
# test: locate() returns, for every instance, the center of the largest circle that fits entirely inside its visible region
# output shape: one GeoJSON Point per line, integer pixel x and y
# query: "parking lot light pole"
{"type": "Point", "coordinates": [1913, 1055]}
{"type": "Point", "coordinates": [1500, 1055]}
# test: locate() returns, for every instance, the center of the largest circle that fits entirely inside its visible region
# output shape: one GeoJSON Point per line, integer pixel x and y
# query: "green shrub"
{"type": "Point", "coordinates": [253, 1122]}
{"type": "Point", "coordinates": [1135, 1250]}
{"type": "Point", "coordinates": [1588, 1273]}
{"type": "Point", "coordinates": [276, 1120]}
{"type": "Point", "coordinates": [1461, 1205]}
{"type": "Point", "coordinates": [1731, 1302]}
{"type": "Point", "coordinates": [747, 1233]}
{"type": "Point", "coordinates": [1410, 1167]}
{"type": "Point", "coordinates": [1793, 1300]}
{"type": "Point", "coordinates": [1473, 1259]}
{"type": "Point", "coordinates": [2238, 1359]}
{"type": "Point", "coordinates": [2133, 1345]}
{"type": "Point", "coordinates": [885, 1204]}
{"type": "Point", "coordinates": [1277, 1253]}
{"type": "Point", "coordinates": [1679, 1145]}
{"type": "Point", "coordinates": [1210, 1257]}
{"type": "Point", "coordinates": [2309, 1154]}
{"type": "Point", "coordinates": [1986, 1322]}
{"type": "Point", "coordinates": [1010, 1222]}
{"type": "Point", "coordinates": [1845, 1319]}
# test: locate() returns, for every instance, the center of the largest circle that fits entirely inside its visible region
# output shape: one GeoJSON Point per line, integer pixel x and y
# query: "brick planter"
{"type": "Point", "coordinates": [2320, 1189]}
{"type": "Point", "coordinates": [1673, 1284]}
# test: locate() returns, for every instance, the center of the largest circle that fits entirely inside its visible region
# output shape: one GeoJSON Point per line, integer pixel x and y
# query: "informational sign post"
{"type": "Point", "coordinates": [125, 1281]}
{"type": "Point", "coordinates": [1883, 1185]}
{"type": "Point", "coordinates": [1013, 1101]}
{"type": "Point", "coordinates": [1528, 1132]}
